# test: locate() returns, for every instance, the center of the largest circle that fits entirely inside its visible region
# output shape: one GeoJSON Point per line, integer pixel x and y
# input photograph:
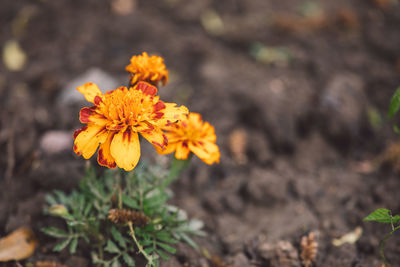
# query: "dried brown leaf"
{"type": "Point", "coordinates": [238, 141]}
{"type": "Point", "coordinates": [18, 245]}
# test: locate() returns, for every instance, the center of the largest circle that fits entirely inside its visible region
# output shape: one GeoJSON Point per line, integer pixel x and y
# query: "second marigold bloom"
{"type": "Point", "coordinates": [192, 135]}
{"type": "Point", "coordinates": [115, 120]}
{"type": "Point", "coordinates": [147, 68]}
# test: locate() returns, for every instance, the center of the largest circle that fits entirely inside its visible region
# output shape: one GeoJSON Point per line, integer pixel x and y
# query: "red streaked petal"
{"type": "Point", "coordinates": [87, 141]}
{"type": "Point", "coordinates": [206, 151]}
{"type": "Point", "coordinates": [158, 106]}
{"type": "Point", "coordinates": [182, 150]}
{"type": "Point", "coordinates": [77, 132]}
{"type": "Point", "coordinates": [146, 88]}
{"type": "Point", "coordinates": [97, 100]}
{"type": "Point", "coordinates": [171, 147]}
{"type": "Point", "coordinates": [156, 137]}
{"type": "Point", "coordinates": [87, 115]}
{"type": "Point", "coordinates": [104, 157]}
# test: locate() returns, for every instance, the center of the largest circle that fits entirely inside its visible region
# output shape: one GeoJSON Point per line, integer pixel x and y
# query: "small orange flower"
{"type": "Point", "coordinates": [115, 120]}
{"type": "Point", "coordinates": [148, 69]}
{"type": "Point", "coordinates": [192, 135]}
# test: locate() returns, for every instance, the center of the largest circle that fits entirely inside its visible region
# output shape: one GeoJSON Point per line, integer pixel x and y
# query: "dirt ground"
{"type": "Point", "coordinates": [297, 92]}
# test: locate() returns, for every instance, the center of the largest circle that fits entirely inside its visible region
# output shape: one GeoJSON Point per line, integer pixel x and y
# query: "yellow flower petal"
{"type": "Point", "coordinates": [89, 115]}
{"type": "Point", "coordinates": [88, 139]}
{"type": "Point", "coordinates": [125, 149]}
{"type": "Point", "coordinates": [214, 158]}
{"type": "Point", "coordinates": [182, 151]}
{"type": "Point", "coordinates": [90, 91]}
{"type": "Point", "coordinates": [202, 150]}
{"type": "Point", "coordinates": [172, 114]}
{"type": "Point", "coordinates": [156, 137]}
{"type": "Point", "coordinates": [171, 147]}
{"type": "Point", "coordinates": [104, 157]}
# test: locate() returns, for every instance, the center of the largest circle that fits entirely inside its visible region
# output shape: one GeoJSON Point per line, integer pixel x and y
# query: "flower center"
{"type": "Point", "coordinates": [127, 108]}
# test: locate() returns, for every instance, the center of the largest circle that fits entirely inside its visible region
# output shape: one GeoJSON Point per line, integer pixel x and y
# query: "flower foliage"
{"type": "Point", "coordinates": [159, 225]}
{"type": "Point", "coordinates": [147, 68]}
{"type": "Point", "coordinates": [192, 134]}
{"type": "Point", "coordinates": [115, 120]}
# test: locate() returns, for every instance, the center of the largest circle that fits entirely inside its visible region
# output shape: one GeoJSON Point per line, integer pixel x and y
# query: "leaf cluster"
{"type": "Point", "coordinates": [112, 245]}
{"type": "Point", "coordinates": [382, 215]}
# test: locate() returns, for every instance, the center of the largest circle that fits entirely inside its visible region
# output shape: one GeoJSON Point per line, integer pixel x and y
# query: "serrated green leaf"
{"type": "Point", "coordinates": [118, 237]}
{"type": "Point", "coordinates": [396, 219]}
{"type": "Point", "coordinates": [166, 247]}
{"type": "Point", "coordinates": [163, 255]}
{"type": "Point", "coordinates": [111, 247]}
{"type": "Point", "coordinates": [74, 244]}
{"type": "Point", "coordinates": [188, 240]}
{"type": "Point", "coordinates": [379, 215]}
{"type": "Point", "coordinates": [128, 260]}
{"type": "Point", "coordinates": [115, 263]}
{"type": "Point", "coordinates": [394, 103]}
{"type": "Point", "coordinates": [60, 246]}
{"type": "Point", "coordinates": [54, 232]}
{"type": "Point", "coordinates": [146, 242]}
{"type": "Point", "coordinates": [50, 200]}
{"type": "Point", "coordinates": [75, 223]}
{"type": "Point", "coordinates": [87, 209]}
{"type": "Point", "coordinates": [149, 250]}
{"type": "Point", "coordinates": [155, 200]}
{"type": "Point", "coordinates": [61, 196]}
{"type": "Point", "coordinates": [130, 202]}
{"type": "Point", "coordinates": [96, 259]}
{"type": "Point", "coordinates": [166, 237]}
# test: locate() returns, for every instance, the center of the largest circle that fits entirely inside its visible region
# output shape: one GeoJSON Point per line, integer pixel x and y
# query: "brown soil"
{"type": "Point", "coordinates": [297, 136]}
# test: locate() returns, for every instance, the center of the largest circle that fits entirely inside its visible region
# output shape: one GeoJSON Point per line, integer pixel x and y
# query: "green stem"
{"type": "Point", "coordinates": [148, 258]}
{"type": "Point", "coordinates": [382, 244]}
{"type": "Point", "coordinates": [177, 166]}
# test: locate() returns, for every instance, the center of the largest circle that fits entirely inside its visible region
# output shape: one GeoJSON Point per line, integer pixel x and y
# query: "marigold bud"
{"type": "Point", "coordinates": [58, 210]}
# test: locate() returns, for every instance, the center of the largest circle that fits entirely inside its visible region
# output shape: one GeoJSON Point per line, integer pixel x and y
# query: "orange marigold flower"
{"type": "Point", "coordinates": [192, 135]}
{"type": "Point", "coordinates": [148, 69]}
{"type": "Point", "coordinates": [115, 120]}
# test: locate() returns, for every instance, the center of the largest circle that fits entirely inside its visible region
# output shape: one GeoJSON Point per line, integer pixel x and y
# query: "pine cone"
{"type": "Point", "coordinates": [122, 216]}
{"type": "Point", "coordinates": [309, 247]}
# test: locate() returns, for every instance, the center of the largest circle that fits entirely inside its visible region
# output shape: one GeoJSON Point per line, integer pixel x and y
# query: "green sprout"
{"type": "Point", "coordinates": [383, 215]}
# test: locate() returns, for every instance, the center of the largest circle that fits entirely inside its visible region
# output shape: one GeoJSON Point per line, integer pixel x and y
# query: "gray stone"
{"type": "Point", "coordinates": [342, 107]}
{"type": "Point", "coordinates": [53, 142]}
{"type": "Point", "coordinates": [105, 81]}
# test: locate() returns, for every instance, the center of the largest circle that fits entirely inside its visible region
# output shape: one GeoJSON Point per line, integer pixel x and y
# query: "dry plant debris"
{"type": "Point", "coordinates": [48, 264]}
{"type": "Point", "coordinates": [122, 216]}
{"type": "Point", "coordinates": [18, 245]}
{"type": "Point", "coordinates": [350, 237]}
{"type": "Point", "coordinates": [216, 261]}
{"type": "Point", "coordinates": [238, 141]}
{"type": "Point", "coordinates": [14, 57]}
{"type": "Point", "coordinates": [309, 249]}
{"type": "Point", "coordinates": [391, 156]}
{"type": "Point", "coordinates": [345, 17]}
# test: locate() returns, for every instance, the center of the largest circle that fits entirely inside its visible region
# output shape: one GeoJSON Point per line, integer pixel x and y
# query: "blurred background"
{"type": "Point", "coordinates": [298, 91]}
